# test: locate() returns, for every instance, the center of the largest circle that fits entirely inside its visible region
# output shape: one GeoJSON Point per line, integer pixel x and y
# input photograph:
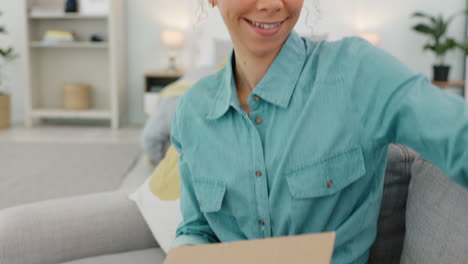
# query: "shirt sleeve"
{"type": "Point", "coordinates": [194, 228]}
{"type": "Point", "coordinates": [399, 106]}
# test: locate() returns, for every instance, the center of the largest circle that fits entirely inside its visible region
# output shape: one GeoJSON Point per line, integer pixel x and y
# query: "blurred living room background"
{"type": "Point", "coordinates": [106, 79]}
{"type": "Point", "coordinates": [87, 93]}
{"type": "Point", "coordinates": [97, 71]}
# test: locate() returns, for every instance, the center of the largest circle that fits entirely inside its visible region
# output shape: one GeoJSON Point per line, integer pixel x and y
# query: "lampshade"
{"type": "Point", "coordinates": [173, 38]}
{"type": "Point", "coordinates": [372, 37]}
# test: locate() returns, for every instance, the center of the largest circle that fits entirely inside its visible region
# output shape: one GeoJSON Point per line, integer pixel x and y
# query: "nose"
{"type": "Point", "coordinates": [270, 6]}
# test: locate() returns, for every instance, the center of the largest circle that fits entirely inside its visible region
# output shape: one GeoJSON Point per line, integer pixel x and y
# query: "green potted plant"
{"type": "Point", "coordinates": [436, 28]}
{"type": "Point", "coordinates": [6, 54]}
{"type": "Point", "coordinates": [463, 46]}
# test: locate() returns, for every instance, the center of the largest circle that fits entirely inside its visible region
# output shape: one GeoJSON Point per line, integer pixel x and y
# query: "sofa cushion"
{"type": "Point", "coordinates": [65, 229]}
{"type": "Point", "coordinates": [391, 224]}
{"type": "Point", "coordinates": [38, 171]}
{"type": "Point", "coordinates": [137, 175]}
{"type": "Point", "coordinates": [436, 218]}
{"type": "Point", "coordinates": [165, 181]}
{"type": "Point", "coordinates": [155, 137]}
{"type": "Point", "coordinates": [146, 256]}
{"type": "Point", "coordinates": [159, 200]}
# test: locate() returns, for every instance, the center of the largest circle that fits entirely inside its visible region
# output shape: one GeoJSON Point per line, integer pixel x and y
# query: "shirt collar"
{"type": "Point", "coordinates": [276, 87]}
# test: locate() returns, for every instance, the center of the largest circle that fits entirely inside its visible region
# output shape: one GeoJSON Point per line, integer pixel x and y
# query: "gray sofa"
{"type": "Point", "coordinates": [423, 217]}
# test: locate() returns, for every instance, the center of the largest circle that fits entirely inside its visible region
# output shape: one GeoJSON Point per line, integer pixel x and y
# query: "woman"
{"type": "Point", "coordinates": [291, 137]}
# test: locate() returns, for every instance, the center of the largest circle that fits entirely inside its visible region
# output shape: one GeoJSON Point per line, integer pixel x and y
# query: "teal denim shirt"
{"type": "Point", "coordinates": [311, 156]}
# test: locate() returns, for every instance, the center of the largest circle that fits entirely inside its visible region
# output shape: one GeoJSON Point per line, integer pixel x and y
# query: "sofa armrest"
{"type": "Point", "coordinates": [142, 169]}
{"type": "Point", "coordinates": [71, 228]}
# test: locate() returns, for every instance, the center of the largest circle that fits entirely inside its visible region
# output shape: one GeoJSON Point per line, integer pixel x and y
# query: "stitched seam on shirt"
{"type": "Point", "coordinates": [181, 115]}
{"type": "Point", "coordinates": [318, 162]}
{"type": "Point", "coordinates": [295, 81]}
{"type": "Point", "coordinates": [401, 99]}
{"type": "Point", "coordinates": [214, 103]}
{"type": "Point", "coordinates": [259, 229]}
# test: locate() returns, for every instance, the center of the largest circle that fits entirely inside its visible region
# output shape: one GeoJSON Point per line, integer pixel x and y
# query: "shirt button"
{"type": "Point", "coordinates": [258, 173]}
{"type": "Point", "coordinates": [256, 98]}
{"type": "Point", "coordinates": [329, 183]}
{"type": "Point", "coordinates": [262, 223]}
{"type": "Point", "coordinates": [258, 120]}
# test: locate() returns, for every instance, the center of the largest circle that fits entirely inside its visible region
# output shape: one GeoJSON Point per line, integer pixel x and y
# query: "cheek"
{"type": "Point", "coordinates": [229, 13]}
{"type": "Point", "coordinates": [295, 7]}
{"type": "Point", "coordinates": [296, 4]}
{"type": "Point", "coordinates": [294, 16]}
{"type": "Point", "coordinates": [231, 22]}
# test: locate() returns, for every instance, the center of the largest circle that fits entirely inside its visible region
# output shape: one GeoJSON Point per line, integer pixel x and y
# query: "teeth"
{"type": "Point", "coordinates": [264, 26]}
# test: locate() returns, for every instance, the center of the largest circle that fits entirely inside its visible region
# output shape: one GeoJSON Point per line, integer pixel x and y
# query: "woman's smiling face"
{"type": "Point", "coordinates": [259, 27]}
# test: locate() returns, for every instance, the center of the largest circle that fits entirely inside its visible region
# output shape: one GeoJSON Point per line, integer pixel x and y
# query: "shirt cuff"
{"type": "Point", "coordinates": [188, 240]}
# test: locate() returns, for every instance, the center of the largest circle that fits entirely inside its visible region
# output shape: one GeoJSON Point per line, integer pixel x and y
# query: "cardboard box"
{"type": "Point", "coordinates": [300, 249]}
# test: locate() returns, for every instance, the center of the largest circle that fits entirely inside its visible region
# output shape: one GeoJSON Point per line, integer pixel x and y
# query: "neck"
{"type": "Point", "coordinates": [251, 68]}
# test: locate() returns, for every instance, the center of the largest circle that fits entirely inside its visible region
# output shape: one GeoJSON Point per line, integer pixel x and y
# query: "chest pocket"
{"type": "Point", "coordinates": [327, 176]}
{"type": "Point", "coordinates": [210, 194]}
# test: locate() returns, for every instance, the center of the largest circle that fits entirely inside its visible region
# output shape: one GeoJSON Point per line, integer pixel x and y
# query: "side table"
{"type": "Point", "coordinates": [154, 83]}
{"type": "Point", "coordinates": [454, 87]}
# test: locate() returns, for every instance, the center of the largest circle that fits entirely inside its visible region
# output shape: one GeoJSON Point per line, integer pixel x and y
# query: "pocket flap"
{"type": "Point", "coordinates": [210, 194]}
{"type": "Point", "coordinates": [327, 176]}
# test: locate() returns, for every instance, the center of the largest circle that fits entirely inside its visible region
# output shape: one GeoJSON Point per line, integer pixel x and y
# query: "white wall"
{"type": "Point", "coordinates": [14, 23]}
{"type": "Point", "coordinates": [146, 18]}
{"type": "Point", "coordinates": [392, 20]}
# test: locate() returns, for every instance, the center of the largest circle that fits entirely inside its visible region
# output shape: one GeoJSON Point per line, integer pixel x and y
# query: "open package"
{"type": "Point", "coordinates": [300, 249]}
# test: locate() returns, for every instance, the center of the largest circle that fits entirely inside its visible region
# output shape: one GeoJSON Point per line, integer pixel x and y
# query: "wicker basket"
{"type": "Point", "coordinates": [76, 96]}
{"type": "Point", "coordinates": [4, 111]}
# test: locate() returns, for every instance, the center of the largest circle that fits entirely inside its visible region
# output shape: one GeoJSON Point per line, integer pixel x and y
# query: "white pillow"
{"type": "Point", "coordinates": [161, 216]}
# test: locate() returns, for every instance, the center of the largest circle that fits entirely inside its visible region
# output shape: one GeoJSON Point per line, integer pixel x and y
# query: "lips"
{"type": "Point", "coordinates": [263, 24]}
{"type": "Point", "coordinates": [265, 29]}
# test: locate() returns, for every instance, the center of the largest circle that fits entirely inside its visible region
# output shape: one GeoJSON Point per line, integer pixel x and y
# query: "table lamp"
{"type": "Point", "coordinates": [173, 39]}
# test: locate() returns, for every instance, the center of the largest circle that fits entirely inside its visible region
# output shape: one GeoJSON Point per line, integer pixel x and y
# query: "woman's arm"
{"type": "Point", "coordinates": [435, 124]}
{"type": "Point", "coordinates": [194, 228]}
{"type": "Point", "coordinates": [400, 106]}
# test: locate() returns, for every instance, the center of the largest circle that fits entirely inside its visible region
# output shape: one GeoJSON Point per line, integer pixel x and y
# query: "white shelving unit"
{"type": "Point", "coordinates": [66, 16]}
{"type": "Point", "coordinates": [76, 44]}
{"type": "Point", "coordinates": [51, 66]}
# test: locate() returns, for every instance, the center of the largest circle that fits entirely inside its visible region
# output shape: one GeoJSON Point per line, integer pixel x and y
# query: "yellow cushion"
{"type": "Point", "coordinates": [176, 88]}
{"type": "Point", "coordinates": [161, 191]}
{"type": "Point", "coordinates": [165, 181]}
{"type": "Point", "coordinates": [222, 64]}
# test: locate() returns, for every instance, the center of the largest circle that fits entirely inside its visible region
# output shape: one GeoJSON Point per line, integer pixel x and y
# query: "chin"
{"type": "Point", "coordinates": [265, 48]}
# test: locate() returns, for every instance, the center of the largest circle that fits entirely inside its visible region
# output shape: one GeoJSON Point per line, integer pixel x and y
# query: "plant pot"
{"type": "Point", "coordinates": [4, 110]}
{"type": "Point", "coordinates": [441, 73]}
